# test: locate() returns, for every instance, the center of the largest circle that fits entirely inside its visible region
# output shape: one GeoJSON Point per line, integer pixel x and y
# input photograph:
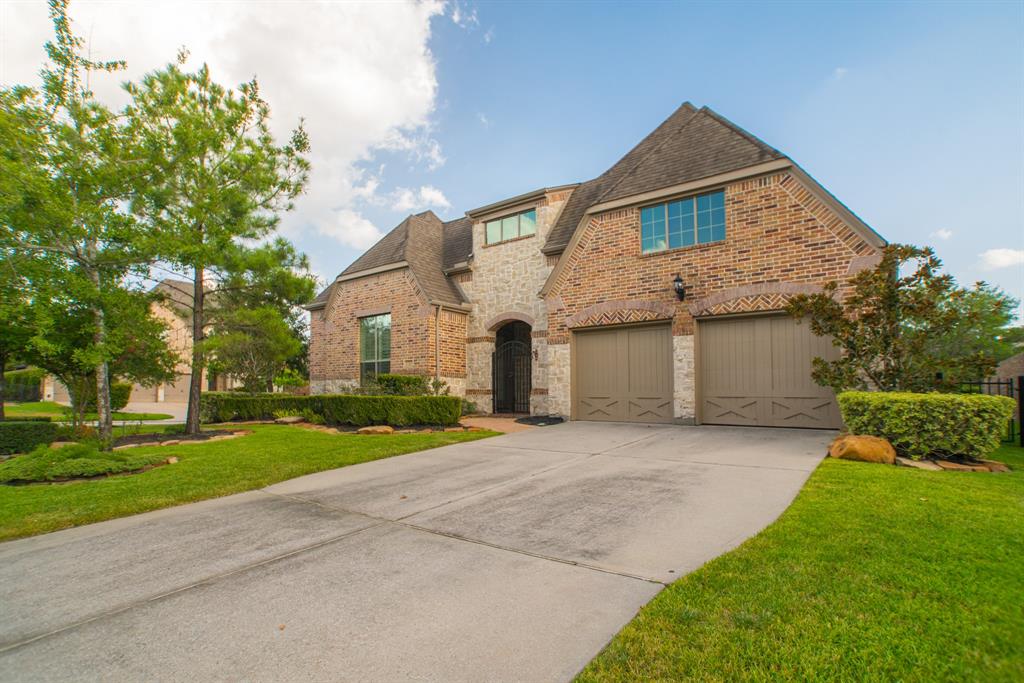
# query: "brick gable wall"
{"type": "Point", "coordinates": [779, 240]}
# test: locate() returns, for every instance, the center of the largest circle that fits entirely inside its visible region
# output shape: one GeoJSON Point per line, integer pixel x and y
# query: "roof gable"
{"type": "Point", "coordinates": [706, 145]}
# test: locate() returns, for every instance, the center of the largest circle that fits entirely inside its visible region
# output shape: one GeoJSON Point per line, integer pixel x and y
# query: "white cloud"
{"type": "Point", "coordinates": [489, 35]}
{"type": "Point", "coordinates": [361, 75]}
{"type": "Point", "coordinates": [482, 118]}
{"type": "Point", "coordinates": [942, 234]}
{"type": "Point", "coordinates": [839, 73]}
{"type": "Point", "coordinates": [464, 17]}
{"type": "Point", "coordinates": [405, 199]}
{"type": "Point", "coordinates": [350, 228]}
{"type": "Point", "coordinates": [993, 259]}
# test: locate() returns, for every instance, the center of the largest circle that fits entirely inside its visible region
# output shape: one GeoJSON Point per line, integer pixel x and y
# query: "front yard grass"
{"type": "Point", "coordinates": [271, 454]}
{"type": "Point", "coordinates": [874, 573]}
{"type": "Point", "coordinates": [56, 411]}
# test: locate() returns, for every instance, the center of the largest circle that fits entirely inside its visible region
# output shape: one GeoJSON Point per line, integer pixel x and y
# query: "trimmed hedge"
{"type": "Point", "coordinates": [919, 425]}
{"type": "Point", "coordinates": [23, 436]}
{"type": "Point", "coordinates": [401, 385]}
{"type": "Point", "coordinates": [120, 394]}
{"type": "Point", "coordinates": [336, 409]}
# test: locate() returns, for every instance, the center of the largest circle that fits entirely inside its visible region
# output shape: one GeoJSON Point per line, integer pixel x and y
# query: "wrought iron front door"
{"type": "Point", "coordinates": [510, 370]}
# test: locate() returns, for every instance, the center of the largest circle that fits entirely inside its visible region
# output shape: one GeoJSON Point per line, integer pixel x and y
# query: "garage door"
{"type": "Point", "coordinates": [623, 374]}
{"type": "Point", "coordinates": [757, 371]}
{"type": "Point", "coordinates": [178, 391]}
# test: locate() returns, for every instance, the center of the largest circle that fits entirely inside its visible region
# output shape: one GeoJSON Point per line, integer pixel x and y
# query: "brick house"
{"type": "Point", "coordinates": [174, 309]}
{"type": "Point", "coordinates": [652, 293]}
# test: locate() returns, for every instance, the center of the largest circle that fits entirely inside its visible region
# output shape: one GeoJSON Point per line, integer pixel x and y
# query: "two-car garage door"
{"type": "Point", "coordinates": [753, 370]}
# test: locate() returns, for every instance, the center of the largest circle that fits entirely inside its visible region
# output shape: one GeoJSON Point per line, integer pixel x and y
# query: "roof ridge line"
{"type": "Point", "coordinates": [743, 132]}
{"type": "Point", "coordinates": [693, 115]}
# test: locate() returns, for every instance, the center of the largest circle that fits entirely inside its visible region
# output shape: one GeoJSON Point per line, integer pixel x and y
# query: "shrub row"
{"type": "Point", "coordinates": [23, 436]}
{"type": "Point", "coordinates": [335, 409]}
{"type": "Point", "coordinates": [120, 394]}
{"type": "Point", "coordinates": [919, 425]}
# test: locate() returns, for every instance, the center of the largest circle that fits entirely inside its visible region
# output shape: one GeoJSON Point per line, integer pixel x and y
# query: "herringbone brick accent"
{"type": "Point", "coordinates": [749, 304]}
{"type": "Point", "coordinates": [621, 317]}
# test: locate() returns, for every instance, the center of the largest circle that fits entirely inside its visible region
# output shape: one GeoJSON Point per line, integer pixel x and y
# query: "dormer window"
{"type": "Point", "coordinates": [522, 224]}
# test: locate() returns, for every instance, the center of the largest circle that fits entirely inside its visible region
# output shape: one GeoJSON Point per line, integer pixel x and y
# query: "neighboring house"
{"type": "Point", "coordinates": [1011, 368]}
{"type": "Point", "coordinates": [652, 293]}
{"type": "Point", "coordinates": [174, 309]}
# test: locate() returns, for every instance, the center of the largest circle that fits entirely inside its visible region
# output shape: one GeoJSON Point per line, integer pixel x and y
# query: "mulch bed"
{"type": "Point", "coordinates": [160, 438]}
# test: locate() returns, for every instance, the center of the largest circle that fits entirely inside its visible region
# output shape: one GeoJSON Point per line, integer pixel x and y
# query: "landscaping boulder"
{"type": "Point", "coordinates": [290, 420]}
{"type": "Point", "coordinates": [863, 448]}
{"type": "Point", "coordinates": [376, 429]}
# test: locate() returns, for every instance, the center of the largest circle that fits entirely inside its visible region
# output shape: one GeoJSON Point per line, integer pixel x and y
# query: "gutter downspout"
{"type": "Point", "coordinates": [437, 342]}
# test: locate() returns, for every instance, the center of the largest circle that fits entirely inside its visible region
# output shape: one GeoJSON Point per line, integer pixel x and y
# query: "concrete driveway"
{"type": "Point", "coordinates": [510, 559]}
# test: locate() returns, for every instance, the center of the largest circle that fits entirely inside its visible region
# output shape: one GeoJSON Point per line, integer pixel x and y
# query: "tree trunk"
{"type": "Point", "coordinates": [195, 385]}
{"type": "Point", "coordinates": [103, 417]}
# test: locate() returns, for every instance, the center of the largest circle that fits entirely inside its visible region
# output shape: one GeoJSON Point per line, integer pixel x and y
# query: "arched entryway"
{"type": "Point", "coordinates": [510, 368]}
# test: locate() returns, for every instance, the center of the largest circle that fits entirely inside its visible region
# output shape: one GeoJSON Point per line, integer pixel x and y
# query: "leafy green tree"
{"type": "Point", "coordinates": [62, 330]}
{"type": "Point", "coordinates": [217, 181]}
{"type": "Point", "coordinates": [252, 345]}
{"type": "Point", "coordinates": [981, 319]}
{"type": "Point", "coordinates": [895, 324]}
{"type": "Point", "coordinates": [15, 315]}
{"type": "Point", "coordinates": [64, 201]}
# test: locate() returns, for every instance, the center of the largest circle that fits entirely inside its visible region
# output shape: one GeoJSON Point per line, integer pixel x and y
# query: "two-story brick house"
{"type": "Point", "coordinates": [651, 293]}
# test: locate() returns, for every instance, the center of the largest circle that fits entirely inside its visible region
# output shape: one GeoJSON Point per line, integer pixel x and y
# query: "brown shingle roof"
{"type": "Point", "coordinates": [705, 145]}
{"type": "Point", "coordinates": [689, 145]}
{"type": "Point", "coordinates": [321, 299]}
{"type": "Point", "coordinates": [422, 241]}
{"type": "Point", "coordinates": [424, 251]}
{"type": "Point", "coordinates": [590, 192]}
{"type": "Point", "coordinates": [458, 241]}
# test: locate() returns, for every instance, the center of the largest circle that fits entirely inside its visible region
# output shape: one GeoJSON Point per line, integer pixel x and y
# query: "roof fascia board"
{"type": "Point", "coordinates": [397, 265]}
{"type": "Point", "coordinates": [866, 232]}
{"type": "Point", "coordinates": [505, 204]}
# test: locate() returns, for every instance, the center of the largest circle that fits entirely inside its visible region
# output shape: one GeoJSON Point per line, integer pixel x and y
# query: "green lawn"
{"type": "Point", "coordinates": [272, 453]}
{"type": "Point", "coordinates": [874, 573]}
{"type": "Point", "coordinates": [56, 411]}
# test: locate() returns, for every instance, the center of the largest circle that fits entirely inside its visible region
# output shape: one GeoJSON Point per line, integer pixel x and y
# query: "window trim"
{"type": "Point", "coordinates": [502, 218]}
{"type": "Point", "coordinates": [696, 240]}
{"type": "Point", "coordinates": [377, 359]}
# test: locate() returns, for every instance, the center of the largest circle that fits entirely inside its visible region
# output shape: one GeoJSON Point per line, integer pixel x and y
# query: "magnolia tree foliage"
{"type": "Point", "coordinates": [216, 181]}
{"type": "Point", "coordinates": [904, 326]}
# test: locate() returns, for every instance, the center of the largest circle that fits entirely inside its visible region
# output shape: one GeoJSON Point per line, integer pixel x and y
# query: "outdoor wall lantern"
{"type": "Point", "coordinates": [679, 287]}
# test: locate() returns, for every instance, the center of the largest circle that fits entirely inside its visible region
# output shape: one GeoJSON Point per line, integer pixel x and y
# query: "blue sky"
{"type": "Point", "coordinates": [911, 113]}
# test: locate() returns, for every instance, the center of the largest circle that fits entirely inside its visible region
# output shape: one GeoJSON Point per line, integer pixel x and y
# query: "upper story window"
{"type": "Point", "coordinates": [694, 220]}
{"type": "Point", "coordinates": [374, 346]}
{"type": "Point", "coordinates": [511, 227]}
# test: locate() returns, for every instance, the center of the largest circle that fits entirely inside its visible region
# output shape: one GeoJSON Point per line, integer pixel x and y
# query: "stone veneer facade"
{"type": "Point", "coordinates": [781, 239]}
{"type": "Point", "coordinates": [503, 285]}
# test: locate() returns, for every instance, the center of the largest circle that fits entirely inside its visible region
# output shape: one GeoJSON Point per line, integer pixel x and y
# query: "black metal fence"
{"type": "Point", "coordinates": [1012, 388]}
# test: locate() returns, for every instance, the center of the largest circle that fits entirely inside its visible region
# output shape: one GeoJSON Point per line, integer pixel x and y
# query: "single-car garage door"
{"type": "Point", "coordinates": [623, 374]}
{"type": "Point", "coordinates": [757, 371]}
